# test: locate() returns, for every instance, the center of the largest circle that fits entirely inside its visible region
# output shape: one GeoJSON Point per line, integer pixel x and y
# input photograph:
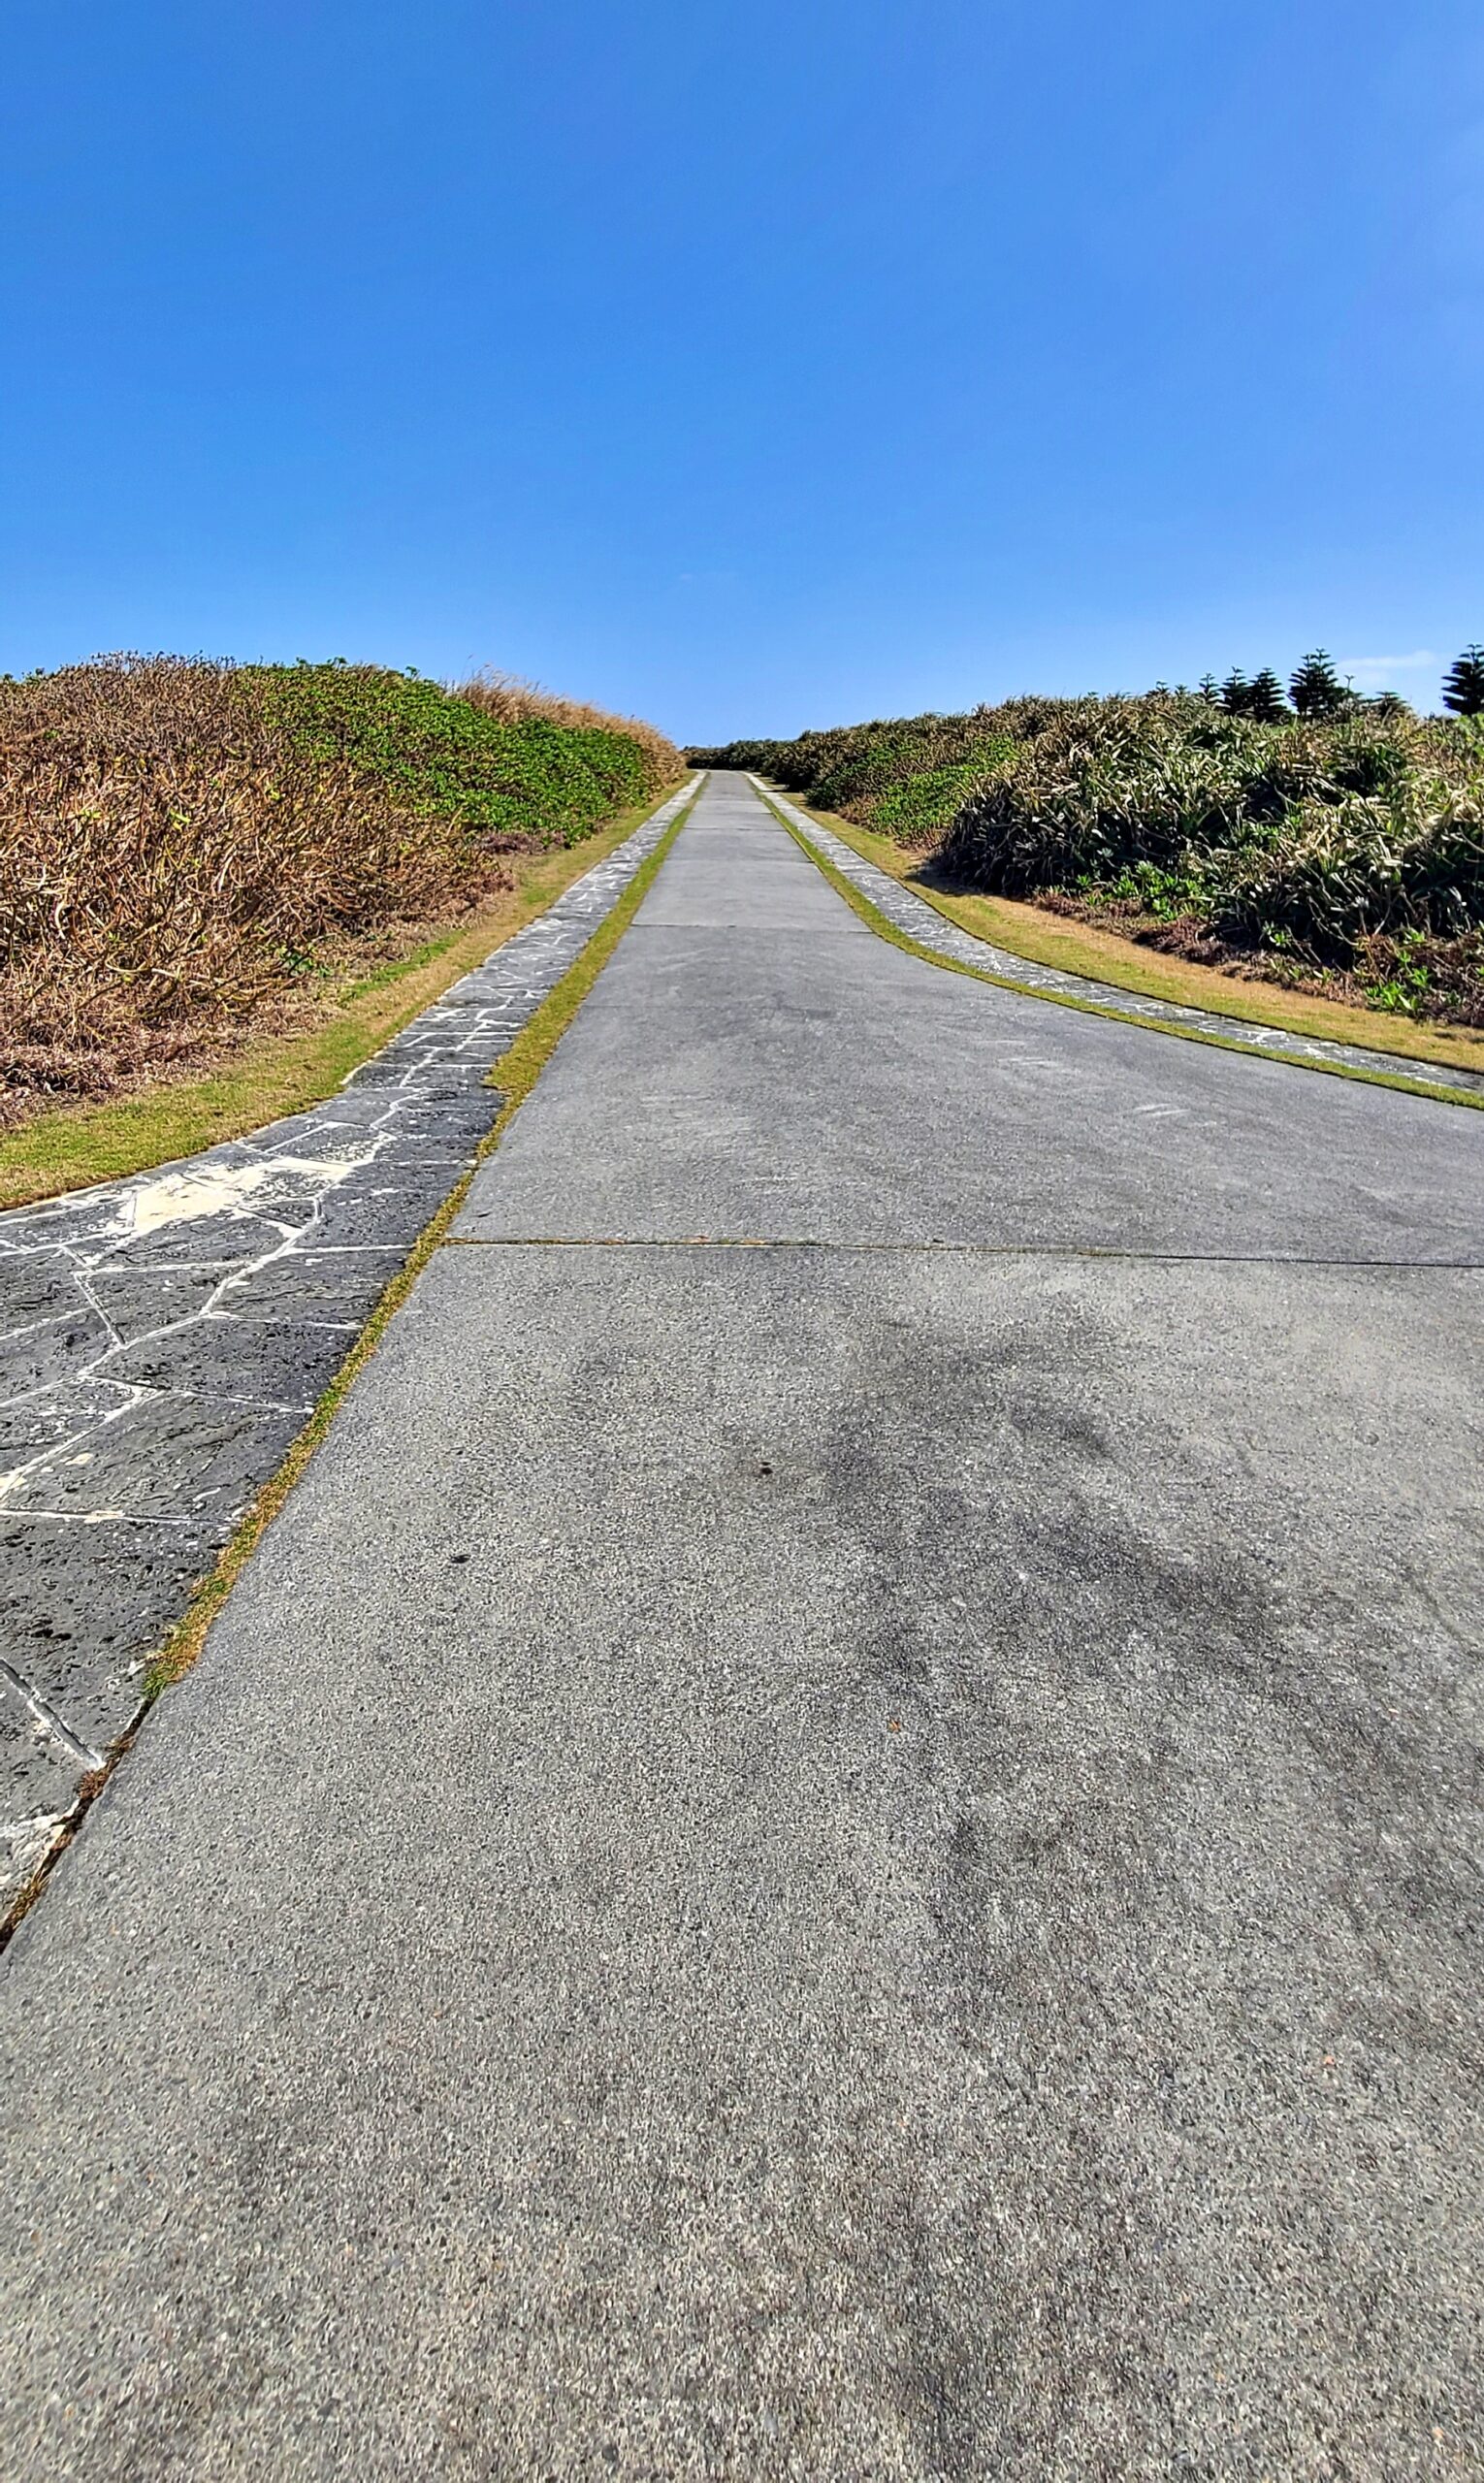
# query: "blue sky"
{"type": "Point", "coordinates": [747, 367]}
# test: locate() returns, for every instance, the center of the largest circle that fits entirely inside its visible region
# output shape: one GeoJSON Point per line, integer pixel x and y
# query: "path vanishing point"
{"type": "Point", "coordinates": [837, 1835]}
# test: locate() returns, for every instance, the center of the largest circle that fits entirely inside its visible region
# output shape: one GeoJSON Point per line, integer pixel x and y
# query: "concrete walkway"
{"type": "Point", "coordinates": [837, 1835]}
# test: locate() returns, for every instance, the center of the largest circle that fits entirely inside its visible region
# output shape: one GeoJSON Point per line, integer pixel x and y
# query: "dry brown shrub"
{"type": "Point", "coordinates": [513, 701]}
{"type": "Point", "coordinates": [169, 862]}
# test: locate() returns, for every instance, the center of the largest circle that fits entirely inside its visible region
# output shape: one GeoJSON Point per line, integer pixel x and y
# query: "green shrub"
{"type": "Point", "coordinates": [1307, 836]}
{"type": "Point", "coordinates": [919, 811]}
{"type": "Point", "coordinates": [1168, 895]}
{"type": "Point", "coordinates": [532, 780]}
{"type": "Point", "coordinates": [1346, 871]}
{"type": "Point", "coordinates": [867, 771]}
{"type": "Point", "coordinates": [1108, 784]}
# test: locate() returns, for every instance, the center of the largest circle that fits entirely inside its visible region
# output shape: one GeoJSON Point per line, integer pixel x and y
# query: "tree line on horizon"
{"type": "Point", "coordinates": [1316, 689]}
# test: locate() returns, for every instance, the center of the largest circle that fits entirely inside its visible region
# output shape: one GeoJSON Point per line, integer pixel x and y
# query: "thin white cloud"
{"type": "Point", "coordinates": [1377, 672]}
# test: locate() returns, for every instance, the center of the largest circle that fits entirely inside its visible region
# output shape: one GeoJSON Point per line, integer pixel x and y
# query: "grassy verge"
{"type": "Point", "coordinates": [516, 1073]}
{"type": "Point", "coordinates": [80, 1145]}
{"type": "Point", "coordinates": [877, 923]}
{"type": "Point", "coordinates": [1081, 948]}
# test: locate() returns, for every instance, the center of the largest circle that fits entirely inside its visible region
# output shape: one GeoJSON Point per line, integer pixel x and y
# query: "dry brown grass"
{"type": "Point", "coordinates": [189, 850]}
{"type": "Point", "coordinates": [513, 701]}
{"type": "Point", "coordinates": [168, 862]}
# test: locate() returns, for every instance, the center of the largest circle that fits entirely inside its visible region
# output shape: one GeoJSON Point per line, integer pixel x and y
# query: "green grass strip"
{"type": "Point", "coordinates": [885, 929]}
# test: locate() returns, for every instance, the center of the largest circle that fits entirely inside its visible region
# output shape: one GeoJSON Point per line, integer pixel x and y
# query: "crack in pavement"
{"type": "Point", "coordinates": [164, 1338]}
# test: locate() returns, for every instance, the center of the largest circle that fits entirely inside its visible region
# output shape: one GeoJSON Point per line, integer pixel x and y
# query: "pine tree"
{"type": "Point", "coordinates": [1464, 689]}
{"type": "Point", "coordinates": [1235, 691]}
{"type": "Point", "coordinates": [1206, 687]}
{"type": "Point", "coordinates": [1316, 689]}
{"type": "Point", "coordinates": [1265, 699]}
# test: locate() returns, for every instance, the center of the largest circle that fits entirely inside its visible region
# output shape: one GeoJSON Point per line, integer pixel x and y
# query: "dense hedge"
{"type": "Point", "coordinates": [532, 780]}
{"type": "Point", "coordinates": [1349, 842]}
{"type": "Point", "coordinates": [1307, 835]}
{"type": "Point", "coordinates": [856, 769]}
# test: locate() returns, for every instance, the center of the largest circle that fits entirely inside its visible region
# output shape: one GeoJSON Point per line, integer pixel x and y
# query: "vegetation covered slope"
{"type": "Point", "coordinates": [183, 843]}
{"type": "Point", "coordinates": [1343, 845]}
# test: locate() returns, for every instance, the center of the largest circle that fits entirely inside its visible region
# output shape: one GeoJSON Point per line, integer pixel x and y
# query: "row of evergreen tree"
{"type": "Point", "coordinates": [1316, 689]}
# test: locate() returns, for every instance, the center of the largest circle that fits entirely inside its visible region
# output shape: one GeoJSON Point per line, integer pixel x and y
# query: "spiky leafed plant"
{"type": "Point", "coordinates": [1464, 689]}
{"type": "Point", "coordinates": [1316, 689]}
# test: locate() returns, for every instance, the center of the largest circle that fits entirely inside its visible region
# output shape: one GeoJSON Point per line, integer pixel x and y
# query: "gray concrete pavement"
{"type": "Point", "coordinates": [855, 1856]}
{"type": "Point", "coordinates": [762, 1065]}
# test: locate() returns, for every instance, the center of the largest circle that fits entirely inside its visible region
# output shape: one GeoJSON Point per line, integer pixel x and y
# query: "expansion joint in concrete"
{"type": "Point", "coordinates": [1008, 1250]}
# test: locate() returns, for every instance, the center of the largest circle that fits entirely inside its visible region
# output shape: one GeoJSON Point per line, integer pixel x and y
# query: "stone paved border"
{"type": "Point", "coordinates": [164, 1338]}
{"type": "Point", "coordinates": [930, 929]}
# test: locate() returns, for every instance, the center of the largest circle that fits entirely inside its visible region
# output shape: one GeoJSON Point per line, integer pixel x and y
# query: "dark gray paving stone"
{"type": "Point", "coordinates": [432, 1076]}
{"type": "Point", "coordinates": [283, 1362]}
{"type": "Point", "coordinates": [57, 1421]}
{"type": "Point", "coordinates": [393, 1211]}
{"type": "Point", "coordinates": [38, 1780]}
{"type": "Point", "coordinates": [39, 1287]}
{"type": "Point", "coordinates": [136, 1301]}
{"type": "Point", "coordinates": [50, 1351]}
{"type": "Point", "coordinates": [447, 1125]}
{"type": "Point", "coordinates": [222, 1240]}
{"type": "Point", "coordinates": [36, 1771]}
{"type": "Point", "coordinates": [79, 1623]}
{"type": "Point", "coordinates": [166, 1457]}
{"type": "Point", "coordinates": [316, 1285]}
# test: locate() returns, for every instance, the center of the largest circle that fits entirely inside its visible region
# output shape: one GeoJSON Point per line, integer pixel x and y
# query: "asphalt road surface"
{"type": "Point", "coordinates": [837, 1835]}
